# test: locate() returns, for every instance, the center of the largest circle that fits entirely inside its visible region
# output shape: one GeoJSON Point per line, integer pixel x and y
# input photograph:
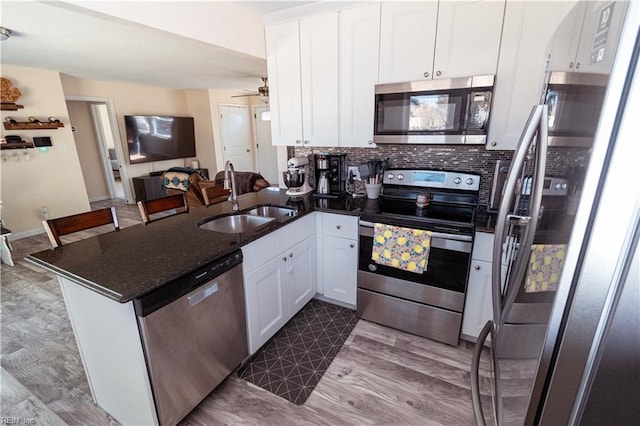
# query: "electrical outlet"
{"type": "Point", "coordinates": [45, 213]}
{"type": "Point", "coordinates": [355, 172]}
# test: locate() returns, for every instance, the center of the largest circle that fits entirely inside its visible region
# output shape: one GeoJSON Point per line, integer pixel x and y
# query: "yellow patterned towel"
{"type": "Point", "coordinates": [545, 267]}
{"type": "Point", "coordinates": [402, 248]}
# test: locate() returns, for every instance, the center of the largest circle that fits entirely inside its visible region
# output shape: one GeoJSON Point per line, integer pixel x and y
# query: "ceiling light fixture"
{"type": "Point", "coordinates": [5, 33]}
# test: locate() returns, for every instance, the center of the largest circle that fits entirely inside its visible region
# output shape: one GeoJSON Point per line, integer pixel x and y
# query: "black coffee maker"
{"type": "Point", "coordinates": [331, 174]}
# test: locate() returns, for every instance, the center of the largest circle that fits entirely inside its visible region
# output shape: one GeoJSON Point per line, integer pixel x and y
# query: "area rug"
{"type": "Point", "coordinates": [292, 363]}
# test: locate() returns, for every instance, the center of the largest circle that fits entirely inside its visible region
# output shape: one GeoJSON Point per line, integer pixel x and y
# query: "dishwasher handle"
{"type": "Point", "coordinates": [203, 293]}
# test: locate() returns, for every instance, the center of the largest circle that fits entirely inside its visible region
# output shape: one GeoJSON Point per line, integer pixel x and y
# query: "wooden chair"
{"type": "Point", "coordinates": [149, 207]}
{"type": "Point", "coordinates": [79, 222]}
{"type": "Point", "coordinates": [214, 194]}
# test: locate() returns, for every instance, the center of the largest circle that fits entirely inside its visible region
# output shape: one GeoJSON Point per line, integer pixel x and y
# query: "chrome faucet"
{"type": "Point", "coordinates": [233, 197]}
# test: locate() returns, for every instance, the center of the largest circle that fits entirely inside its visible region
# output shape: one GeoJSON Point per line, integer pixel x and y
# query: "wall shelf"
{"type": "Point", "coordinates": [10, 106]}
{"type": "Point", "coordinates": [18, 145]}
{"type": "Point", "coordinates": [27, 125]}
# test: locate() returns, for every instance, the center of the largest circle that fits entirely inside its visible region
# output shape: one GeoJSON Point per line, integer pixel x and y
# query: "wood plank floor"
{"type": "Point", "coordinates": [381, 375]}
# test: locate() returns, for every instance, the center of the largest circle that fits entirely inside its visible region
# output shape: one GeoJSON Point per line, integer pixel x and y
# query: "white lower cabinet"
{"type": "Point", "coordinates": [339, 258]}
{"type": "Point", "coordinates": [340, 269]}
{"type": "Point", "coordinates": [277, 287]}
{"type": "Point", "coordinates": [478, 307]}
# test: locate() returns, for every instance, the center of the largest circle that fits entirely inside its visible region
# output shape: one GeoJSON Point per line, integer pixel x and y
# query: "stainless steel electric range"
{"type": "Point", "coordinates": [431, 303]}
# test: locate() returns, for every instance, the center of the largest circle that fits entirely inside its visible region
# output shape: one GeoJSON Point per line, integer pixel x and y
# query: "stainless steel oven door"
{"type": "Point", "coordinates": [444, 282]}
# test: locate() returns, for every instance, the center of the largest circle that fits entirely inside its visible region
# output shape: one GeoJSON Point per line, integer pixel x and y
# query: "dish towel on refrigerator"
{"type": "Point", "coordinates": [402, 248]}
{"type": "Point", "coordinates": [545, 267]}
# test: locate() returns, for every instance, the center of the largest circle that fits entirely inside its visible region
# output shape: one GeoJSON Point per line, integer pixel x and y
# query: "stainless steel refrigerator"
{"type": "Point", "coordinates": [563, 346]}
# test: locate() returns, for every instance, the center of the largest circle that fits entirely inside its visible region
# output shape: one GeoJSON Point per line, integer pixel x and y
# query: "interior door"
{"type": "Point", "coordinates": [266, 153]}
{"type": "Point", "coordinates": [236, 138]}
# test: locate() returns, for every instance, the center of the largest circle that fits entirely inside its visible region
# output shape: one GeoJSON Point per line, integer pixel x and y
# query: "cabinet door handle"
{"type": "Point", "coordinates": [426, 74]}
{"type": "Point", "coordinates": [570, 64]}
{"type": "Point", "coordinates": [577, 65]}
{"type": "Point", "coordinates": [477, 267]}
{"type": "Point", "coordinates": [438, 73]}
{"type": "Point", "coordinates": [305, 142]}
{"type": "Point", "coordinates": [352, 245]}
{"type": "Point", "coordinates": [298, 141]}
{"type": "Point", "coordinates": [370, 142]}
{"type": "Point", "coordinates": [338, 226]}
{"type": "Point", "coordinates": [284, 258]}
{"type": "Point", "coordinates": [290, 254]}
{"type": "Point", "coordinates": [494, 143]}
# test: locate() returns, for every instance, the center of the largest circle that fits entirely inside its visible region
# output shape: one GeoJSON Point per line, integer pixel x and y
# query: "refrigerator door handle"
{"type": "Point", "coordinates": [516, 278]}
{"type": "Point", "coordinates": [475, 374]}
{"type": "Point", "coordinates": [526, 139]}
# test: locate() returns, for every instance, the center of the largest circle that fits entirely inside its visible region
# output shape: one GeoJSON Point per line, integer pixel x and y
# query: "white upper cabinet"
{"type": "Point", "coordinates": [407, 40]}
{"type": "Point", "coordinates": [359, 53]}
{"type": "Point", "coordinates": [425, 40]}
{"type": "Point", "coordinates": [528, 28]}
{"type": "Point", "coordinates": [588, 38]}
{"type": "Point", "coordinates": [302, 64]}
{"type": "Point", "coordinates": [285, 96]}
{"type": "Point", "coordinates": [468, 38]}
{"type": "Point", "coordinates": [319, 77]}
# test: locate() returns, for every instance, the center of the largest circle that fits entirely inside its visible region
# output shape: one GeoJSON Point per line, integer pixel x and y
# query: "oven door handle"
{"type": "Point", "coordinates": [444, 236]}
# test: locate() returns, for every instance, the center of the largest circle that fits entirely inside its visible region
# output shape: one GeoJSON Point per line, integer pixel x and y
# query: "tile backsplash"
{"type": "Point", "coordinates": [472, 159]}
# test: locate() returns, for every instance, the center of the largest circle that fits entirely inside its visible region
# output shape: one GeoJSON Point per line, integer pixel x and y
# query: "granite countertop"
{"type": "Point", "coordinates": [139, 259]}
{"type": "Point", "coordinates": [136, 260]}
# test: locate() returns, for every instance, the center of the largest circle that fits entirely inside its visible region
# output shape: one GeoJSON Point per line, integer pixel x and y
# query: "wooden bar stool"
{"type": "Point", "coordinates": [177, 202]}
{"type": "Point", "coordinates": [79, 222]}
{"type": "Point", "coordinates": [214, 194]}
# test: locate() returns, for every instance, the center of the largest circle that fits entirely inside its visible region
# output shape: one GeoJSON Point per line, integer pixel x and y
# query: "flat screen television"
{"type": "Point", "coordinates": [158, 138]}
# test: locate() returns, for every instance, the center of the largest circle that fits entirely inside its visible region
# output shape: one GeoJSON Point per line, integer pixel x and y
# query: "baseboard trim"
{"type": "Point", "coordinates": [323, 298]}
{"type": "Point", "coordinates": [100, 198]}
{"type": "Point", "coordinates": [26, 234]}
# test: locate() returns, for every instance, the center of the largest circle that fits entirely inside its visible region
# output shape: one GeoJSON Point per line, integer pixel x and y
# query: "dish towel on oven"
{"type": "Point", "coordinates": [545, 267]}
{"type": "Point", "coordinates": [402, 248]}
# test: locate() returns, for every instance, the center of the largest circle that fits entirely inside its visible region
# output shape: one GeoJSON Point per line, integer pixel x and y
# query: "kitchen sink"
{"type": "Point", "coordinates": [234, 224]}
{"type": "Point", "coordinates": [272, 211]}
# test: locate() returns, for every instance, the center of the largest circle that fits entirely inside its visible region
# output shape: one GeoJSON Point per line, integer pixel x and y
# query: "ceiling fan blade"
{"type": "Point", "coordinates": [248, 94]}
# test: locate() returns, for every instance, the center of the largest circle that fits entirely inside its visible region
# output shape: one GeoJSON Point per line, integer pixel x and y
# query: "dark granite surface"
{"type": "Point", "coordinates": [136, 260]}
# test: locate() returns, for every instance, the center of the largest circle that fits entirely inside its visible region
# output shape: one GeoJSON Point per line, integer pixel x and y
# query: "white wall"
{"type": "Point", "coordinates": [88, 152]}
{"type": "Point", "coordinates": [198, 100]}
{"type": "Point", "coordinates": [52, 178]}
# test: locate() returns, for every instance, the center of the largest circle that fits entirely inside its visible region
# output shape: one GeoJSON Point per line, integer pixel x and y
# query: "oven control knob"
{"type": "Point", "coordinates": [457, 181]}
{"type": "Point", "coordinates": [390, 176]}
{"type": "Point", "coordinates": [372, 267]}
{"type": "Point", "coordinates": [470, 181]}
{"type": "Point", "coordinates": [400, 177]}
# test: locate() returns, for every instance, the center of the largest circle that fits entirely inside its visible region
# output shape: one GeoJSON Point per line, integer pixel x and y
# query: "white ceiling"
{"type": "Point", "coordinates": [100, 47]}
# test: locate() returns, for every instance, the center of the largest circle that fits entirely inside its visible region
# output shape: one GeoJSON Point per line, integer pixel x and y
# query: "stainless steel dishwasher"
{"type": "Point", "coordinates": [194, 334]}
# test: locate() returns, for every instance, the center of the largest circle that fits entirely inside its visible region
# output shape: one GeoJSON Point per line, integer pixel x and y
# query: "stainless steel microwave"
{"type": "Point", "coordinates": [575, 100]}
{"type": "Point", "coordinates": [447, 111]}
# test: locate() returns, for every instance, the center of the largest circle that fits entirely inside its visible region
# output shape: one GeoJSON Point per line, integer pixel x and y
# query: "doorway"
{"type": "Point", "coordinates": [236, 137]}
{"type": "Point", "coordinates": [99, 148]}
{"type": "Point", "coordinates": [266, 153]}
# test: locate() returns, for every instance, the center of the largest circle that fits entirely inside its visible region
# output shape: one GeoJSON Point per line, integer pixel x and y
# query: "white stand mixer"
{"type": "Point", "coordinates": [295, 178]}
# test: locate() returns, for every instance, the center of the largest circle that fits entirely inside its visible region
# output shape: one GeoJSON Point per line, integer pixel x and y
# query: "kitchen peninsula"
{"type": "Point", "coordinates": [104, 277]}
